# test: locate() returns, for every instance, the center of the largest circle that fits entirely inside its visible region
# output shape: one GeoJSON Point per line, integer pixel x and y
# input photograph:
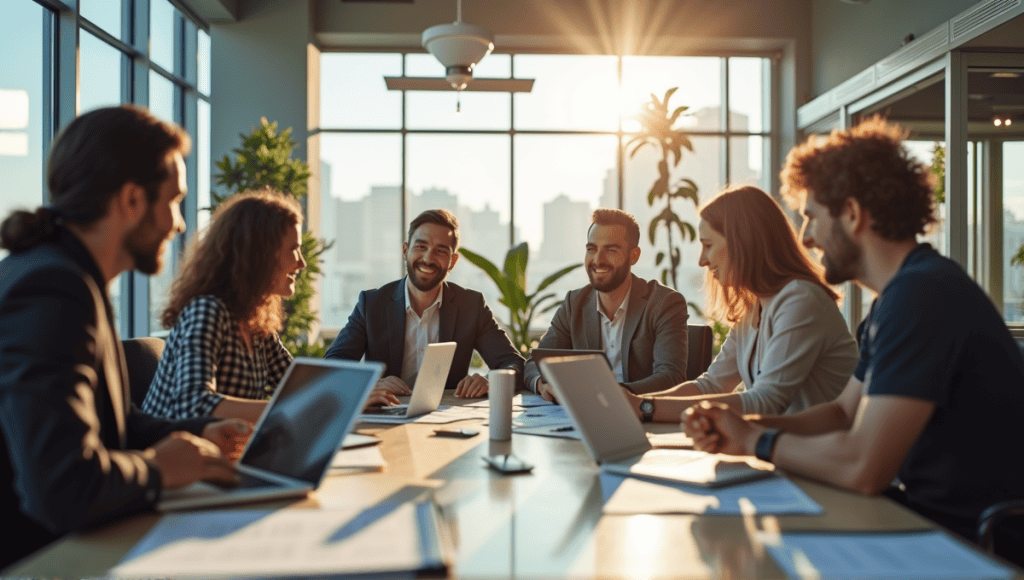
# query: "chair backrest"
{"type": "Point", "coordinates": [141, 357]}
{"type": "Point", "coordinates": [698, 350]}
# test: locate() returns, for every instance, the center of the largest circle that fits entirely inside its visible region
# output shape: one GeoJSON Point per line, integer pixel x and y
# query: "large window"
{"type": "Point", "coordinates": [523, 167]}
{"type": "Point", "coordinates": [101, 53]}
{"type": "Point", "coordinates": [23, 93]}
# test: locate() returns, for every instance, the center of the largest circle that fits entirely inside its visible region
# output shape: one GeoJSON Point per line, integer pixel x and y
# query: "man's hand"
{"type": "Point", "coordinates": [380, 397]}
{"type": "Point", "coordinates": [230, 435]}
{"type": "Point", "coordinates": [474, 385]}
{"type": "Point", "coordinates": [184, 458]}
{"type": "Point", "coordinates": [716, 428]}
{"type": "Point", "coordinates": [393, 385]}
{"type": "Point", "coordinates": [546, 392]}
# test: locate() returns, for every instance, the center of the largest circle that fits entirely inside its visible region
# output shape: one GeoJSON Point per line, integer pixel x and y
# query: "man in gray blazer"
{"type": "Point", "coordinates": [639, 324]}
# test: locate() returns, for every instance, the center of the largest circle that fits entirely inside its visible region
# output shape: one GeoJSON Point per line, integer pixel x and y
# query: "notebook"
{"type": "Point", "coordinates": [428, 390]}
{"type": "Point", "coordinates": [291, 448]}
{"type": "Point", "coordinates": [615, 437]}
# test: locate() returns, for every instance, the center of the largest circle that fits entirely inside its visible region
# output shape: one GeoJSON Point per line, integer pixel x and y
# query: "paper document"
{"type": "Point", "coordinates": [777, 495]}
{"type": "Point", "coordinates": [294, 543]}
{"type": "Point", "coordinates": [907, 555]}
{"type": "Point", "coordinates": [670, 440]}
{"type": "Point", "coordinates": [358, 440]}
{"type": "Point", "coordinates": [443, 414]}
{"type": "Point", "coordinates": [521, 400]}
{"type": "Point", "coordinates": [538, 416]}
{"type": "Point", "coordinates": [562, 431]}
{"type": "Point", "coordinates": [357, 460]}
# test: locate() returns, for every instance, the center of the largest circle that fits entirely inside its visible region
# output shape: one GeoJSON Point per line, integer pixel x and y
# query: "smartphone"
{"type": "Point", "coordinates": [457, 433]}
{"type": "Point", "coordinates": [508, 463]}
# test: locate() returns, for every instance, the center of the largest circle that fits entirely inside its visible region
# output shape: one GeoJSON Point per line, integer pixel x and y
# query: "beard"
{"type": "Point", "coordinates": [422, 282]}
{"type": "Point", "coordinates": [617, 277]}
{"type": "Point", "coordinates": [841, 266]}
{"type": "Point", "coordinates": [145, 245]}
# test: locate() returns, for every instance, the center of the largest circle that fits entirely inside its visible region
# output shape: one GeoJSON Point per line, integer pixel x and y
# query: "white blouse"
{"type": "Point", "coordinates": [802, 354]}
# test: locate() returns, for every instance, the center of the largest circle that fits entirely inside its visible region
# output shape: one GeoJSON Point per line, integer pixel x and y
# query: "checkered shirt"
{"type": "Point", "coordinates": [205, 359]}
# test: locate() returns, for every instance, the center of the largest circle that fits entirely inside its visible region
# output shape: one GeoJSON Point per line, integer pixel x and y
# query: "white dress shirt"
{"type": "Point", "coordinates": [419, 332]}
{"type": "Point", "coordinates": [611, 333]}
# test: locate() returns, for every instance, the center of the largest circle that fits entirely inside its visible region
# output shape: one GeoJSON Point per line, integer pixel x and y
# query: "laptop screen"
{"type": "Point", "coordinates": [309, 416]}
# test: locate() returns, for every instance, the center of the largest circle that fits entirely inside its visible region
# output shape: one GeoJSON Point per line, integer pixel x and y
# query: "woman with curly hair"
{"type": "Point", "coordinates": [789, 344]}
{"type": "Point", "coordinates": [224, 357]}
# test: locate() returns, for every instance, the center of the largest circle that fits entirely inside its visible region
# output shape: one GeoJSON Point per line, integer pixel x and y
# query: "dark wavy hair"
{"type": "Point", "coordinates": [870, 164]}
{"type": "Point", "coordinates": [89, 161]}
{"type": "Point", "coordinates": [441, 217]}
{"type": "Point", "coordinates": [764, 253]}
{"type": "Point", "coordinates": [604, 216]}
{"type": "Point", "coordinates": [235, 258]}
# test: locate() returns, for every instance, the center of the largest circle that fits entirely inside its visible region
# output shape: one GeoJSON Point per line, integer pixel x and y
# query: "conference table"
{"type": "Point", "coordinates": [544, 524]}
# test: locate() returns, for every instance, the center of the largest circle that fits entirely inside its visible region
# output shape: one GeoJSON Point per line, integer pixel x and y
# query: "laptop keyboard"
{"type": "Point", "coordinates": [248, 481]}
{"type": "Point", "coordinates": [399, 410]}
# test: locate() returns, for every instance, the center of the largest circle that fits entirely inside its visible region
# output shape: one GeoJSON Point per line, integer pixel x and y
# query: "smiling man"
{"type": "Point", "coordinates": [937, 393]}
{"type": "Point", "coordinates": [639, 324]}
{"type": "Point", "coordinates": [394, 324]}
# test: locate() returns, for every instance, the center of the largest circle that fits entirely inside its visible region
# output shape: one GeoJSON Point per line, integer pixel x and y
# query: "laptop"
{"type": "Point", "coordinates": [428, 390]}
{"type": "Point", "coordinates": [539, 354]}
{"type": "Point", "coordinates": [291, 448]}
{"type": "Point", "coordinates": [616, 439]}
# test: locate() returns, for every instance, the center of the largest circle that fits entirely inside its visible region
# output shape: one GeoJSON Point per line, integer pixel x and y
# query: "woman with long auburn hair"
{"type": "Point", "coordinates": [788, 343]}
{"type": "Point", "coordinates": [224, 356]}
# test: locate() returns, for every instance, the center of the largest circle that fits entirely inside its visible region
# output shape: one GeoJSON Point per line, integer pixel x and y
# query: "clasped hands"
{"type": "Point", "coordinates": [716, 428]}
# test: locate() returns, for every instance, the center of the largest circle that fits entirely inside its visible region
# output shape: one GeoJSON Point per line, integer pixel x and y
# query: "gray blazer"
{"type": "Point", "coordinates": [653, 338]}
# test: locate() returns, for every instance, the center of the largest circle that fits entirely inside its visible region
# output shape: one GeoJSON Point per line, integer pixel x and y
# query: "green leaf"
{"type": "Point", "coordinates": [555, 277]}
{"type": "Point", "coordinates": [659, 258]}
{"type": "Point", "coordinates": [492, 271]}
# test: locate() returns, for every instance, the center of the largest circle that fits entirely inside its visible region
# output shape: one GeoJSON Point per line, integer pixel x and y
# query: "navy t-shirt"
{"type": "Point", "coordinates": [933, 334]}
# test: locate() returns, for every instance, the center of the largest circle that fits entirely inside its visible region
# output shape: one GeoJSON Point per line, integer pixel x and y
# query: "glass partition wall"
{"type": "Point", "coordinates": [966, 108]}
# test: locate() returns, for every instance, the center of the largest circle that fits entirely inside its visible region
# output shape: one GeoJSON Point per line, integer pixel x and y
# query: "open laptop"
{"type": "Point", "coordinates": [428, 390]}
{"type": "Point", "coordinates": [615, 437]}
{"type": "Point", "coordinates": [539, 354]}
{"type": "Point", "coordinates": [291, 448]}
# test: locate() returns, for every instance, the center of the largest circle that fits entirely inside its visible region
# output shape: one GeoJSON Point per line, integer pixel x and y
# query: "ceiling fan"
{"type": "Point", "coordinates": [459, 47]}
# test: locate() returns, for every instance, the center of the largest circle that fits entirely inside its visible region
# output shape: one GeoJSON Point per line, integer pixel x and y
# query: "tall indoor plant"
{"type": "Point", "coordinates": [656, 129]}
{"type": "Point", "coordinates": [264, 160]}
{"type": "Point", "coordinates": [511, 283]}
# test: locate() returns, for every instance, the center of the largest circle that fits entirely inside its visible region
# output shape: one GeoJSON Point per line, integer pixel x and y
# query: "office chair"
{"type": "Point", "coordinates": [141, 357]}
{"type": "Point", "coordinates": [989, 525]}
{"type": "Point", "coordinates": [698, 350]}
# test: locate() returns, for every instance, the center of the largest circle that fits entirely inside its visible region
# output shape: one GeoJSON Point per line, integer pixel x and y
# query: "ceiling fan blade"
{"type": "Point", "coordinates": [440, 84]}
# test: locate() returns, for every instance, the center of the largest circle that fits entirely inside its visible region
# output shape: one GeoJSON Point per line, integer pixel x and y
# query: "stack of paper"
{"type": "Point", "coordinates": [403, 538]}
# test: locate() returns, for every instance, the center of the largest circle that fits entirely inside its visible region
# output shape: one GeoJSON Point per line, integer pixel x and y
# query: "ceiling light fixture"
{"type": "Point", "coordinates": [459, 47]}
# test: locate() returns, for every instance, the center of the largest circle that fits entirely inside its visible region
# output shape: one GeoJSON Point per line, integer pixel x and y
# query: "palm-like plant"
{"type": "Point", "coordinates": [656, 129]}
{"type": "Point", "coordinates": [511, 283]}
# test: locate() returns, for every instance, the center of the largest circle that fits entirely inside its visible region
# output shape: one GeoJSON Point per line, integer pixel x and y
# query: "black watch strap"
{"type": "Point", "coordinates": [766, 444]}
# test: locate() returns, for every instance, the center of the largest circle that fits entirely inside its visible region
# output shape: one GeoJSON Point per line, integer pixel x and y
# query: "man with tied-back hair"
{"type": "Point", "coordinates": [74, 451]}
{"type": "Point", "coordinates": [639, 324]}
{"type": "Point", "coordinates": [394, 323]}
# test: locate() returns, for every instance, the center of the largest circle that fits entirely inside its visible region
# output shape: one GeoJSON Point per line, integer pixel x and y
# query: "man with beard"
{"type": "Point", "coordinates": [639, 324]}
{"type": "Point", "coordinates": [937, 391]}
{"type": "Point", "coordinates": [74, 452]}
{"type": "Point", "coordinates": [394, 324]}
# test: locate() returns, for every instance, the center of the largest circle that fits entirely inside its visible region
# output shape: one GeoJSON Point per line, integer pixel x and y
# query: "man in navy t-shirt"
{"type": "Point", "coordinates": [938, 394]}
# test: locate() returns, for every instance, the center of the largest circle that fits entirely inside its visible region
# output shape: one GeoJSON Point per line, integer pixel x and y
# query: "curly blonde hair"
{"type": "Point", "coordinates": [236, 258]}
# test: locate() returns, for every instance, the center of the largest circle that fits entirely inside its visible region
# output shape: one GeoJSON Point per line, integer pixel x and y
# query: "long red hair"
{"type": "Point", "coordinates": [764, 254]}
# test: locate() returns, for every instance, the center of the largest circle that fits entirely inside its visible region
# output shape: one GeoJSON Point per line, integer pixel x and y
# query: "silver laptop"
{"type": "Point", "coordinates": [429, 387]}
{"type": "Point", "coordinates": [291, 448]}
{"type": "Point", "coordinates": [615, 437]}
{"type": "Point", "coordinates": [539, 354]}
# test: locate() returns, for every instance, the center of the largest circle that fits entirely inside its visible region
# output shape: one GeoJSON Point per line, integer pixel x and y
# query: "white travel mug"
{"type": "Point", "coordinates": [501, 387]}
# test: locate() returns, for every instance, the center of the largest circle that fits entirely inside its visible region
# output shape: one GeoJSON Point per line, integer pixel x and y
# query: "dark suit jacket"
{"type": "Point", "coordinates": [376, 328]}
{"type": "Point", "coordinates": [653, 335]}
{"type": "Point", "coordinates": [67, 427]}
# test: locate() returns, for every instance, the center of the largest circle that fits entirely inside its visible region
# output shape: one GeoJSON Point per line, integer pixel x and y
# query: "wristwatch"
{"type": "Point", "coordinates": [647, 410]}
{"type": "Point", "coordinates": [766, 444]}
